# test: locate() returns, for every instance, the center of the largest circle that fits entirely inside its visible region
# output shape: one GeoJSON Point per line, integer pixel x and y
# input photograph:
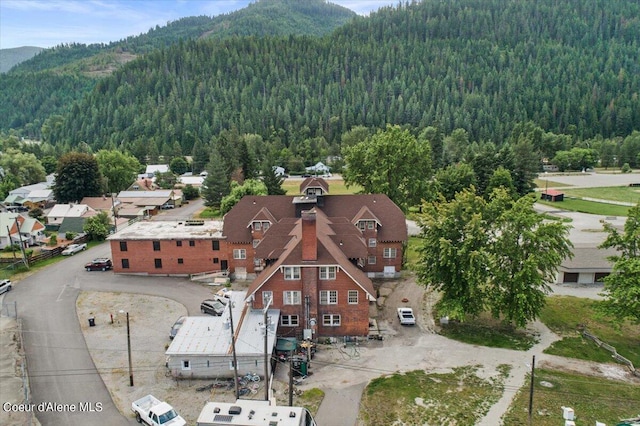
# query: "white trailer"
{"type": "Point", "coordinates": [247, 412]}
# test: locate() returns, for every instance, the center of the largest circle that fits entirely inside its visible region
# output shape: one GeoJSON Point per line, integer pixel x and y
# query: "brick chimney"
{"type": "Point", "coordinates": [309, 238]}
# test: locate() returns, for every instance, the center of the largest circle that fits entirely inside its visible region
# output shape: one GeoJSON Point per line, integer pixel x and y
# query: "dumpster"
{"type": "Point", "coordinates": [92, 322]}
{"type": "Point", "coordinates": [299, 364]}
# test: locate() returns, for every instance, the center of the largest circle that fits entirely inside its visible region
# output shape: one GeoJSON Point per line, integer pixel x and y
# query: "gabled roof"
{"type": "Point", "coordinates": [365, 214]}
{"type": "Point", "coordinates": [8, 220]}
{"type": "Point", "coordinates": [40, 195]}
{"type": "Point", "coordinates": [314, 182]}
{"type": "Point", "coordinates": [263, 215]}
{"type": "Point", "coordinates": [394, 227]}
{"type": "Point", "coordinates": [100, 203]}
{"type": "Point", "coordinates": [14, 199]}
{"type": "Point", "coordinates": [329, 253]}
{"type": "Point", "coordinates": [155, 168]}
{"type": "Point", "coordinates": [69, 210]}
{"type": "Point", "coordinates": [29, 225]}
{"type": "Point", "coordinates": [151, 194]}
{"type": "Point", "coordinates": [72, 224]}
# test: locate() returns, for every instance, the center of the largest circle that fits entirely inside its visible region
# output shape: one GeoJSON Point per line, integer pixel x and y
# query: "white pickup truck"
{"type": "Point", "coordinates": [154, 412]}
{"type": "Point", "coordinates": [405, 315]}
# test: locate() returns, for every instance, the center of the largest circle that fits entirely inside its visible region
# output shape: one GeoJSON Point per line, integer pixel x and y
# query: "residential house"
{"type": "Point", "coordinates": [143, 183]}
{"type": "Point", "coordinates": [145, 203]}
{"type": "Point", "coordinates": [60, 212]}
{"type": "Point", "coordinates": [24, 191]}
{"type": "Point", "coordinates": [312, 275]}
{"type": "Point", "coordinates": [202, 348]}
{"type": "Point", "coordinates": [152, 169]}
{"type": "Point", "coordinates": [16, 229]}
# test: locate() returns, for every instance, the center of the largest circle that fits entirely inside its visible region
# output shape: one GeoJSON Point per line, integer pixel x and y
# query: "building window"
{"type": "Point", "coordinates": [257, 262]}
{"type": "Point", "coordinates": [331, 320]}
{"type": "Point", "coordinates": [192, 243]}
{"type": "Point", "coordinates": [361, 225]}
{"type": "Point", "coordinates": [180, 261]}
{"type": "Point", "coordinates": [178, 243]}
{"type": "Point", "coordinates": [123, 246]}
{"type": "Point", "coordinates": [216, 260]}
{"type": "Point", "coordinates": [289, 321]}
{"type": "Point", "coordinates": [266, 296]}
{"type": "Point", "coordinates": [158, 263]}
{"type": "Point", "coordinates": [125, 263]}
{"type": "Point", "coordinates": [255, 243]}
{"type": "Point", "coordinates": [265, 225]}
{"type": "Point", "coordinates": [352, 297]}
{"type": "Point", "coordinates": [371, 260]}
{"type": "Point", "coordinates": [186, 364]}
{"type": "Point", "coordinates": [329, 297]}
{"type": "Point", "coordinates": [156, 246]}
{"type": "Point", "coordinates": [239, 254]}
{"type": "Point", "coordinates": [257, 226]}
{"type": "Point", "coordinates": [291, 272]}
{"type": "Point", "coordinates": [215, 245]}
{"type": "Point", "coordinates": [291, 297]}
{"type": "Point", "coordinates": [328, 272]}
{"type": "Point", "coordinates": [370, 224]}
{"type": "Point", "coordinates": [390, 253]}
{"type": "Point", "coordinates": [372, 242]}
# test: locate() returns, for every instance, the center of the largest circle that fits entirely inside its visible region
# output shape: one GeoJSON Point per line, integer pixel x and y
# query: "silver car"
{"type": "Point", "coordinates": [5, 285]}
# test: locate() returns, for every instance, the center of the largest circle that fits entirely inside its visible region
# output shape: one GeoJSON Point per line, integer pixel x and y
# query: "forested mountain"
{"type": "Point", "coordinates": [11, 57]}
{"type": "Point", "coordinates": [21, 104]}
{"type": "Point", "coordinates": [480, 65]}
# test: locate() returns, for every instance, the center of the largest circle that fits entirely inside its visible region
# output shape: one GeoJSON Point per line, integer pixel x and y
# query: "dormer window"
{"type": "Point", "coordinates": [257, 226]}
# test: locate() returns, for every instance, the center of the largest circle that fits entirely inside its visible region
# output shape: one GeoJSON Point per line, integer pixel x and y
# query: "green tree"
{"type": "Point", "coordinates": [622, 286]}
{"type": "Point", "coordinates": [77, 176]}
{"type": "Point", "coordinates": [190, 192]}
{"type": "Point", "coordinates": [501, 178]}
{"type": "Point", "coordinates": [166, 180]}
{"type": "Point", "coordinates": [272, 181]}
{"type": "Point", "coordinates": [24, 166]}
{"type": "Point", "coordinates": [453, 179]}
{"type": "Point", "coordinates": [98, 226]}
{"type": "Point", "coordinates": [216, 184]}
{"type": "Point", "coordinates": [118, 169]}
{"type": "Point", "coordinates": [391, 162]}
{"type": "Point", "coordinates": [179, 165]}
{"type": "Point", "coordinates": [490, 256]}
{"type": "Point", "coordinates": [49, 163]}
{"type": "Point", "coordinates": [249, 187]}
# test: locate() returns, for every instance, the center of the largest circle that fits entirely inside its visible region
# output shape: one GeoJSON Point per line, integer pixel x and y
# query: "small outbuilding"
{"type": "Point", "coordinates": [552, 195]}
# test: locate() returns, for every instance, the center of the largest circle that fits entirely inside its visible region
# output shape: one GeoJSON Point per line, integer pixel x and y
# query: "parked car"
{"type": "Point", "coordinates": [176, 326]}
{"type": "Point", "coordinates": [167, 206]}
{"type": "Point", "coordinates": [5, 285]}
{"type": "Point", "coordinates": [212, 307]}
{"type": "Point", "coordinates": [154, 412]}
{"type": "Point", "coordinates": [73, 249]}
{"type": "Point", "coordinates": [405, 315]}
{"type": "Point", "coordinates": [99, 264]}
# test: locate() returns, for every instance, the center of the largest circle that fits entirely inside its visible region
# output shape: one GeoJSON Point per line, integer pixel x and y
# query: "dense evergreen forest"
{"type": "Point", "coordinates": [24, 106]}
{"type": "Point", "coordinates": [481, 65]}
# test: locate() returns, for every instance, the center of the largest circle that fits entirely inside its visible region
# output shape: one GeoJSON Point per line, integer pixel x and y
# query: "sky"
{"type": "Point", "coordinates": [47, 23]}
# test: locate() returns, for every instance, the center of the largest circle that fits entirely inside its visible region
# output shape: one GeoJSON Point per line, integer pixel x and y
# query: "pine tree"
{"type": "Point", "coordinates": [272, 181]}
{"type": "Point", "coordinates": [216, 184]}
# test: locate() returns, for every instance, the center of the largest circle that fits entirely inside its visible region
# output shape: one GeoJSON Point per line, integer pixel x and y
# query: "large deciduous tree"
{"type": "Point", "coordinates": [249, 187]}
{"type": "Point", "coordinates": [98, 226]}
{"type": "Point", "coordinates": [118, 169]}
{"type": "Point", "coordinates": [622, 287]}
{"type": "Point", "coordinates": [391, 162]}
{"type": "Point", "coordinates": [25, 167]}
{"type": "Point", "coordinates": [492, 256]}
{"type": "Point", "coordinates": [77, 176]}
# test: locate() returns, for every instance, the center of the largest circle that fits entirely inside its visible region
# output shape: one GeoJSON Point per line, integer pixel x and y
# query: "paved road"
{"type": "Point", "coordinates": [60, 367]}
{"type": "Point", "coordinates": [592, 180]}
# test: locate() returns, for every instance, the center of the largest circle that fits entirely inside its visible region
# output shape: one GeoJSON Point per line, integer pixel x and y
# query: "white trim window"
{"type": "Point", "coordinates": [266, 296]}
{"type": "Point", "coordinates": [255, 243]}
{"type": "Point", "coordinates": [291, 298]}
{"type": "Point", "coordinates": [329, 297]}
{"type": "Point", "coordinates": [257, 226]}
{"type": "Point", "coordinates": [390, 253]}
{"type": "Point", "coordinates": [370, 224]}
{"type": "Point", "coordinates": [289, 321]}
{"type": "Point", "coordinates": [291, 273]}
{"type": "Point", "coordinates": [328, 272]}
{"type": "Point", "coordinates": [362, 225]}
{"type": "Point", "coordinates": [331, 320]}
{"type": "Point", "coordinates": [373, 242]}
{"type": "Point", "coordinates": [186, 364]}
{"type": "Point", "coordinates": [352, 297]}
{"type": "Point", "coordinates": [371, 260]}
{"type": "Point", "coordinates": [239, 253]}
{"type": "Point", "coordinates": [265, 225]}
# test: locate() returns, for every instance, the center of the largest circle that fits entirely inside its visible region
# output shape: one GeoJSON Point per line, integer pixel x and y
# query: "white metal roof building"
{"type": "Point", "coordinates": [202, 347]}
{"type": "Point", "coordinates": [170, 230]}
{"type": "Point", "coordinates": [253, 413]}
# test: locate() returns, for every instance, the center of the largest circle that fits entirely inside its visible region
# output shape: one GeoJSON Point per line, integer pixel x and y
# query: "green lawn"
{"type": "Point", "coordinates": [593, 399]}
{"type": "Point", "coordinates": [565, 314]}
{"type": "Point", "coordinates": [487, 331]}
{"type": "Point", "coordinates": [588, 207]}
{"type": "Point", "coordinates": [416, 398]}
{"type": "Point", "coordinates": [412, 255]}
{"type": "Point", "coordinates": [336, 187]}
{"type": "Point", "coordinates": [625, 194]}
{"type": "Point", "coordinates": [546, 183]}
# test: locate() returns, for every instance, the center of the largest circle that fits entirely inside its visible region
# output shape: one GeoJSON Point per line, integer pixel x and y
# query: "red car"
{"type": "Point", "coordinates": [99, 264]}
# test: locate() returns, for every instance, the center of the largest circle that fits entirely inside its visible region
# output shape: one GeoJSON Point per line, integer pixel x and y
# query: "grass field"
{"type": "Point", "coordinates": [593, 399]}
{"type": "Point", "coordinates": [590, 207]}
{"type": "Point", "coordinates": [547, 183]}
{"type": "Point", "coordinates": [625, 194]}
{"type": "Point", "coordinates": [416, 398]}
{"type": "Point", "coordinates": [565, 314]}
{"type": "Point", "coordinates": [336, 187]}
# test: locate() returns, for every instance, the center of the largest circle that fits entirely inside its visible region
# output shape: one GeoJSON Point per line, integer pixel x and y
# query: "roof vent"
{"type": "Point", "coordinates": [235, 409]}
{"type": "Point", "coordinates": [292, 414]}
{"type": "Point", "coordinates": [216, 410]}
{"type": "Point", "coordinates": [194, 222]}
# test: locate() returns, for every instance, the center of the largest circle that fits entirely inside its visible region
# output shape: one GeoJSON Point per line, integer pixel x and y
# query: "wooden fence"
{"type": "Point", "coordinates": [613, 351]}
{"type": "Point", "coordinates": [44, 254]}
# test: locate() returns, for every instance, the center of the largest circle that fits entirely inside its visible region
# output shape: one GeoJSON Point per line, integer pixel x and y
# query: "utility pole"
{"type": "Point", "coordinates": [233, 347]}
{"type": "Point", "coordinates": [533, 366]}
{"type": "Point", "coordinates": [290, 378]}
{"type": "Point", "coordinates": [129, 351]}
{"type": "Point", "coordinates": [24, 256]}
{"type": "Point", "coordinates": [266, 351]}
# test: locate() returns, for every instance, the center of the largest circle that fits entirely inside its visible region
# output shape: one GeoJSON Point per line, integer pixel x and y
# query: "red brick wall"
{"type": "Point", "coordinates": [141, 256]}
{"type": "Point", "coordinates": [241, 263]}
{"type": "Point", "coordinates": [381, 262]}
{"type": "Point", "coordinates": [354, 318]}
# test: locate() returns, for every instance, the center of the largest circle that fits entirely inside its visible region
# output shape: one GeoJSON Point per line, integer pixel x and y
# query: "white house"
{"type": "Point", "coordinates": [24, 191]}
{"type": "Point", "coordinates": [31, 230]}
{"type": "Point", "coordinates": [202, 348]}
{"type": "Point", "coordinates": [152, 169]}
{"type": "Point", "coordinates": [61, 211]}
{"type": "Point", "coordinates": [318, 168]}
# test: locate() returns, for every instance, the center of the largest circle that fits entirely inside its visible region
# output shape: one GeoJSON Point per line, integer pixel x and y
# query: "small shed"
{"type": "Point", "coordinates": [552, 195]}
